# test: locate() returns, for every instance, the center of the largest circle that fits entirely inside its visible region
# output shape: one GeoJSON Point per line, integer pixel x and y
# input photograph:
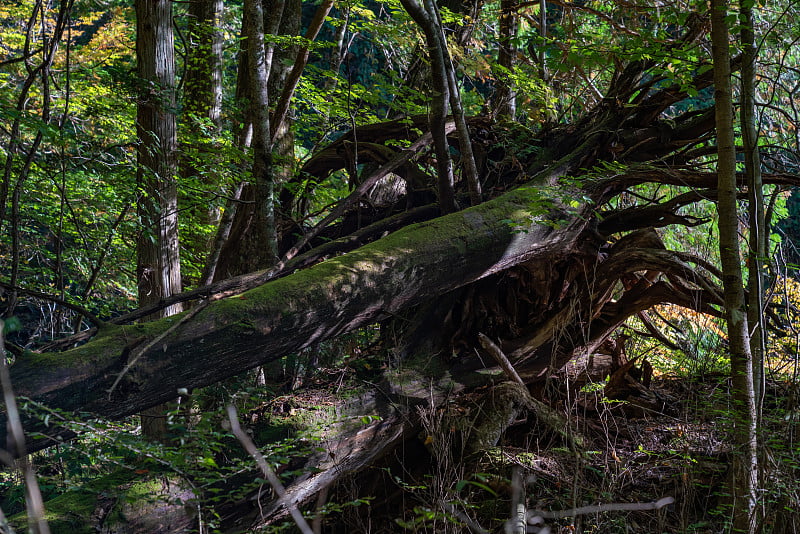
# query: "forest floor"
{"type": "Point", "coordinates": [632, 456]}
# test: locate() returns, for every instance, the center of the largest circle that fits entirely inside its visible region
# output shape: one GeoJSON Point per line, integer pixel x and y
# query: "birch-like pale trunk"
{"type": "Point", "coordinates": [759, 234]}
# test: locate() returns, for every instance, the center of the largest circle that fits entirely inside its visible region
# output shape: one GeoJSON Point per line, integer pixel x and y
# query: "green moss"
{"type": "Point", "coordinates": [105, 347]}
{"type": "Point", "coordinates": [69, 513]}
{"type": "Point", "coordinates": [339, 276]}
{"type": "Point", "coordinates": [143, 490]}
{"type": "Point", "coordinates": [475, 231]}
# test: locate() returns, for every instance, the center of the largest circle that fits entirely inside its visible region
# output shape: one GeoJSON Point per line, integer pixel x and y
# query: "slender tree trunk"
{"type": "Point", "coordinates": [437, 40]}
{"type": "Point", "coordinates": [218, 262]}
{"type": "Point", "coordinates": [221, 236]}
{"type": "Point", "coordinates": [543, 33]}
{"type": "Point", "coordinates": [441, 95]}
{"type": "Point", "coordinates": [759, 233]}
{"type": "Point", "coordinates": [287, 67]}
{"type": "Point", "coordinates": [252, 242]}
{"type": "Point", "coordinates": [15, 171]}
{"type": "Point", "coordinates": [338, 52]}
{"type": "Point", "coordinates": [158, 260]}
{"type": "Point", "coordinates": [469, 169]}
{"type": "Point", "coordinates": [505, 97]}
{"type": "Point", "coordinates": [745, 459]}
{"type": "Point", "coordinates": [263, 234]}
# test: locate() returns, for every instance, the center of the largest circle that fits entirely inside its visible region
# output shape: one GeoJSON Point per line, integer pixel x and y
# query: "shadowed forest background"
{"type": "Point", "coordinates": [403, 266]}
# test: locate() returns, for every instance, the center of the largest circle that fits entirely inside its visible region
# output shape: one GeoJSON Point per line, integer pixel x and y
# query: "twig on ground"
{"type": "Point", "coordinates": [594, 508]}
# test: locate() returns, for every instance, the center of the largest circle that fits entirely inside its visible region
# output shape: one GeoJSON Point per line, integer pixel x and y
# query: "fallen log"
{"type": "Point", "coordinates": [232, 335]}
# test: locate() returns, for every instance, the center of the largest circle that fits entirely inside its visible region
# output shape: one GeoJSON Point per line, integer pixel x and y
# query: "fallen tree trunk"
{"type": "Point", "coordinates": [128, 368]}
{"type": "Point", "coordinates": [186, 351]}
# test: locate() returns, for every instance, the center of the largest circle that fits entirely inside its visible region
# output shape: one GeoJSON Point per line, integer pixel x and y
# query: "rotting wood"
{"type": "Point", "coordinates": [286, 315]}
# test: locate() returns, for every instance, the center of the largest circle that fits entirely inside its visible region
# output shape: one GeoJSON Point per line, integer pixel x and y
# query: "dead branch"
{"type": "Point", "coordinates": [273, 479]}
{"type": "Point", "coordinates": [595, 508]}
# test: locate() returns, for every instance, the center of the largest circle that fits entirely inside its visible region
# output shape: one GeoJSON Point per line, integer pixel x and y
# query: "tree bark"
{"type": "Point", "coordinates": [252, 242]}
{"type": "Point", "coordinates": [158, 253]}
{"type": "Point", "coordinates": [469, 170]}
{"type": "Point", "coordinates": [505, 98]}
{"type": "Point", "coordinates": [759, 233]}
{"type": "Point", "coordinates": [286, 315]}
{"type": "Point", "coordinates": [745, 462]}
{"type": "Point", "coordinates": [263, 251]}
{"type": "Point", "coordinates": [158, 267]}
{"type": "Point", "coordinates": [146, 364]}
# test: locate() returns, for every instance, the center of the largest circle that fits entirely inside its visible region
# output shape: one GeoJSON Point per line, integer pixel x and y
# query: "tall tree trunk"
{"type": "Point", "coordinates": [235, 212]}
{"type": "Point", "coordinates": [759, 233]}
{"type": "Point", "coordinates": [158, 256]}
{"type": "Point", "coordinates": [745, 459]}
{"type": "Point", "coordinates": [263, 239]}
{"type": "Point", "coordinates": [252, 242]}
{"type": "Point", "coordinates": [287, 66]}
{"type": "Point", "coordinates": [441, 96]}
{"type": "Point", "coordinates": [505, 98]}
{"type": "Point", "coordinates": [469, 169]}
